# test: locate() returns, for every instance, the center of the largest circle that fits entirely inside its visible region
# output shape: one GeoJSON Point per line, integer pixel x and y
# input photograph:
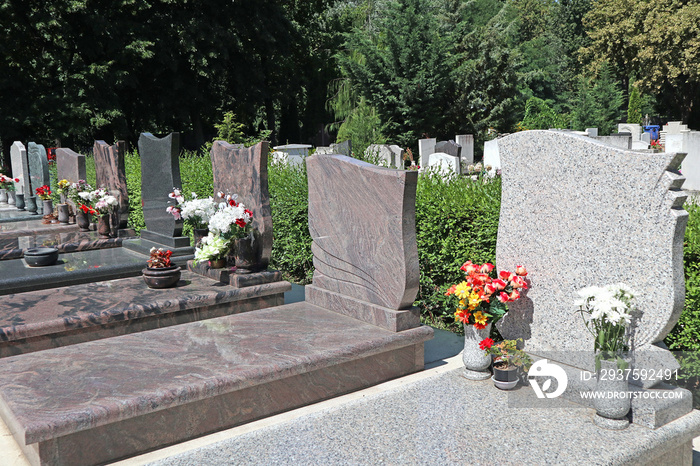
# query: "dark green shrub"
{"type": "Point", "coordinates": [456, 221]}
{"type": "Point", "coordinates": [132, 164]}
{"type": "Point", "coordinates": [289, 200]}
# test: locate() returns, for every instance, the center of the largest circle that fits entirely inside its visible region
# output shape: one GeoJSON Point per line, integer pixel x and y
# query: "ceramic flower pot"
{"type": "Point", "coordinates": [103, 226]}
{"type": "Point", "coordinates": [612, 402]}
{"type": "Point", "coordinates": [63, 213]}
{"type": "Point", "coordinates": [83, 220]}
{"type": "Point", "coordinates": [217, 263]}
{"type": "Point", "coordinates": [3, 196]}
{"type": "Point", "coordinates": [40, 257]}
{"type": "Point", "coordinates": [506, 379]}
{"type": "Point", "coordinates": [476, 361]}
{"type": "Point", "coordinates": [19, 201]}
{"type": "Point", "coordinates": [165, 277]}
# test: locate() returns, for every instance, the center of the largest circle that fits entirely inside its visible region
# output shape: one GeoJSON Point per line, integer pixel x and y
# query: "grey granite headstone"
{"type": "Point", "coordinates": [622, 141]}
{"type": "Point", "coordinates": [244, 172]}
{"type": "Point", "coordinates": [160, 173]}
{"type": "Point", "coordinates": [390, 155]}
{"type": "Point", "coordinates": [110, 173]}
{"type": "Point", "coordinates": [592, 132]}
{"type": "Point", "coordinates": [448, 147]}
{"type": "Point", "coordinates": [579, 213]}
{"type": "Point", "coordinates": [425, 148]}
{"type": "Point", "coordinates": [38, 169]}
{"type": "Point", "coordinates": [645, 137]}
{"type": "Point", "coordinates": [466, 142]}
{"type": "Point", "coordinates": [20, 168]}
{"type": "Point", "coordinates": [70, 165]}
{"type": "Point", "coordinates": [362, 222]}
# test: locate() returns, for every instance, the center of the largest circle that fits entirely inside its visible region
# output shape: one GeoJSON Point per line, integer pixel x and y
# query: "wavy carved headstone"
{"type": "Point", "coordinates": [110, 173]}
{"type": "Point", "coordinates": [362, 222]}
{"type": "Point", "coordinates": [579, 213]}
{"type": "Point", "coordinates": [160, 173]}
{"type": "Point", "coordinates": [38, 169]}
{"type": "Point", "coordinates": [20, 167]}
{"type": "Point", "coordinates": [243, 171]}
{"type": "Point", "coordinates": [449, 147]}
{"type": "Point", "coordinates": [70, 165]}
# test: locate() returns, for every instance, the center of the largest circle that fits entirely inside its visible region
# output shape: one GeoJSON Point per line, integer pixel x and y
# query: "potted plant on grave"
{"type": "Point", "coordinates": [105, 205]}
{"type": "Point", "coordinates": [79, 194]}
{"type": "Point", "coordinates": [509, 362]}
{"type": "Point", "coordinates": [63, 208]}
{"type": "Point", "coordinates": [44, 193]}
{"type": "Point", "coordinates": [232, 222]}
{"type": "Point", "coordinates": [7, 189]}
{"type": "Point", "coordinates": [195, 212]}
{"type": "Point", "coordinates": [160, 271]}
{"type": "Point", "coordinates": [609, 313]}
{"type": "Point", "coordinates": [482, 301]}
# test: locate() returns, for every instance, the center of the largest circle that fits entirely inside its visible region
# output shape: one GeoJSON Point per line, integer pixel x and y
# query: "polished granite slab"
{"type": "Point", "coordinates": [71, 268]}
{"type": "Point", "coordinates": [32, 227]}
{"type": "Point", "coordinates": [106, 399]}
{"type": "Point", "coordinates": [9, 215]}
{"type": "Point", "coordinates": [70, 241]}
{"type": "Point", "coordinates": [49, 318]}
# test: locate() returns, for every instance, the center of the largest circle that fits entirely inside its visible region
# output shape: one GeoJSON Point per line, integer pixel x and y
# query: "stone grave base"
{"type": "Point", "coordinates": [228, 275]}
{"type": "Point", "coordinates": [108, 399]}
{"type": "Point", "coordinates": [179, 245]}
{"type": "Point", "coordinates": [65, 242]}
{"type": "Point", "coordinates": [73, 314]}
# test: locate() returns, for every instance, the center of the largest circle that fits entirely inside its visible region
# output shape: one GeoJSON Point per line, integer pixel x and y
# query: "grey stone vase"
{"type": "Point", "coordinates": [3, 196]}
{"type": "Point", "coordinates": [19, 201]}
{"type": "Point", "coordinates": [476, 361]}
{"type": "Point", "coordinates": [613, 402]}
{"type": "Point", "coordinates": [63, 213]}
{"type": "Point", "coordinates": [30, 205]}
{"type": "Point", "coordinates": [11, 197]}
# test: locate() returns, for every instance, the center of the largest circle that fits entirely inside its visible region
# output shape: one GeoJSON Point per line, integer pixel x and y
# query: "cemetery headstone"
{"type": "Point", "coordinates": [244, 172]}
{"type": "Point", "coordinates": [342, 148]}
{"type": "Point", "coordinates": [592, 132]}
{"type": "Point", "coordinates": [634, 129]}
{"type": "Point", "coordinates": [691, 163]}
{"type": "Point", "coordinates": [160, 173]}
{"type": "Point", "coordinates": [70, 165]}
{"type": "Point", "coordinates": [622, 141]}
{"type": "Point", "coordinates": [674, 143]}
{"type": "Point", "coordinates": [110, 173]}
{"type": "Point", "coordinates": [466, 142]}
{"type": "Point", "coordinates": [445, 164]}
{"type": "Point", "coordinates": [368, 270]}
{"type": "Point", "coordinates": [448, 147]}
{"type": "Point", "coordinates": [20, 168]}
{"type": "Point", "coordinates": [492, 156]}
{"type": "Point", "coordinates": [291, 154]}
{"type": "Point", "coordinates": [381, 151]}
{"type": "Point", "coordinates": [38, 169]}
{"type": "Point", "coordinates": [425, 148]}
{"type": "Point", "coordinates": [645, 138]}
{"type": "Point", "coordinates": [570, 209]}
{"type": "Point", "coordinates": [398, 155]}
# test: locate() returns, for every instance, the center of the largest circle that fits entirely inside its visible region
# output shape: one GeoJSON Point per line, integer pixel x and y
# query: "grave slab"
{"type": "Point", "coordinates": [42, 319]}
{"type": "Point", "coordinates": [133, 393]}
{"type": "Point", "coordinates": [66, 240]}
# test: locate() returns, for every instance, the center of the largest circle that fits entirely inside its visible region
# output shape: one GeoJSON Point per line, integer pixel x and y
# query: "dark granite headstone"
{"type": "Point", "coordinates": [160, 173]}
{"type": "Point", "coordinates": [342, 148]}
{"type": "Point", "coordinates": [111, 174]}
{"type": "Point", "coordinates": [70, 165]}
{"type": "Point", "coordinates": [38, 168]}
{"type": "Point", "coordinates": [362, 222]}
{"type": "Point", "coordinates": [243, 171]}
{"type": "Point", "coordinates": [449, 148]}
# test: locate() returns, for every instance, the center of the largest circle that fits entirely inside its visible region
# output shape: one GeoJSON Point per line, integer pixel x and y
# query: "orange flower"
{"type": "Point", "coordinates": [462, 316]}
{"type": "Point", "coordinates": [520, 270]}
{"type": "Point", "coordinates": [479, 326]}
{"type": "Point", "coordinates": [451, 290]}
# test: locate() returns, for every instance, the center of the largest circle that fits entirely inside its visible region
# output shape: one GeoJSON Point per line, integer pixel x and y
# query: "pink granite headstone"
{"type": "Point", "coordinates": [70, 165]}
{"type": "Point", "coordinates": [111, 174]}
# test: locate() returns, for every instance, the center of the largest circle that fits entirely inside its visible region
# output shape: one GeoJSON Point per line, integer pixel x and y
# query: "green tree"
{"type": "Point", "coordinates": [634, 107]}
{"type": "Point", "coordinates": [598, 102]}
{"type": "Point", "coordinates": [539, 115]}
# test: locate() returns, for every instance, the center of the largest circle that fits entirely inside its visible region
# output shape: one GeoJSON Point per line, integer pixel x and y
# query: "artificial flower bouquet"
{"type": "Point", "coordinates": [232, 219]}
{"type": "Point", "coordinates": [610, 310]}
{"type": "Point", "coordinates": [63, 189]}
{"type": "Point", "coordinates": [8, 183]}
{"type": "Point", "coordinates": [159, 258]}
{"type": "Point", "coordinates": [78, 193]}
{"type": "Point", "coordinates": [482, 296]}
{"type": "Point", "coordinates": [195, 212]}
{"type": "Point", "coordinates": [105, 203]}
{"type": "Point", "coordinates": [213, 247]}
{"type": "Point", "coordinates": [43, 192]}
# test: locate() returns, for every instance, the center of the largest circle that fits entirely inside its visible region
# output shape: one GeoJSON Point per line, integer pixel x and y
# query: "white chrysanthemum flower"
{"type": "Point", "coordinates": [588, 292]}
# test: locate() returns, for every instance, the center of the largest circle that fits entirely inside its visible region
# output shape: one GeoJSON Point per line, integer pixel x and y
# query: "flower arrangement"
{"type": "Point", "coordinates": [105, 202]}
{"type": "Point", "coordinates": [408, 156]}
{"type": "Point", "coordinates": [482, 298]}
{"type": "Point", "coordinates": [159, 258]}
{"type": "Point", "coordinates": [656, 144]}
{"type": "Point", "coordinates": [8, 183]}
{"type": "Point", "coordinates": [44, 192]}
{"type": "Point", "coordinates": [212, 247]}
{"type": "Point", "coordinates": [87, 209]}
{"type": "Point", "coordinates": [506, 353]}
{"type": "Point", "coordinates": [195, 212]}
{"type": "Point", "coordinates": [232, 219]}
{"type": "Point", "coordinates": [610, 313]}
{"type": "Point", "coordinates": [63, 188]}
{"type": "Point", "coordinates": [75, 190]}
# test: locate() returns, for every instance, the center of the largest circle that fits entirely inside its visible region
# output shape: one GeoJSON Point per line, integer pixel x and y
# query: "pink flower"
{"type": "Point", "coordinates": [514, 295]}
{"type": "Point", "coordinates": [520, 270]}
{"type": "Point", "coordinates": [506, 275]}
{"type": "Point", "coordinates": [519, 282]}
{"type": "Point", "coordinates": [174, 211]}
{"type": "Point", "coordinates": [486, 268]}
{"type": "Point", "coordinates": [503, 297]}
{"type": "Point", "coordinates": [499, 284]}
{"type": "Point", "coordinates": [468, 267]}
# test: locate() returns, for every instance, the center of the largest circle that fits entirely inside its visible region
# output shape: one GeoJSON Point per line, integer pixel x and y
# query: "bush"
{"type": "Point", "coordinates": [289, 201]}
{"type": "Point", "coordinates": [456, 221]}
{"type": "Point", "coordinates": [132, 164]}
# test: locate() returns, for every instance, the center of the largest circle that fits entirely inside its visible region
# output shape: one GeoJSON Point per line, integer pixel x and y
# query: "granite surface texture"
{"type": "Point", "coordinates": [71, 241]}
{"type": "Point", "coordinates": [578, 213]}
{"type": "Point", "coordinates": [449, 148]}
{"type": "Point", "coordinates": [243, 171]}
{"type": "Point", "coordinates": [160, 172]}
{"type": "Point", "coordinates": [110, 173]}
{"type": "Point", "coordinates": [20, 168]}
{"type": "Point", "coordinates": [73, 268]}
{"type": "Point", "coordinates": [126, 379]}
{"type": "Point", "coordinates": [70, 165]}
{"type": "Point", "coordinates": [362, 222]}
{"type": "Point", "coordinates": [12, 215]}
{"type": "Point", "coordinates": [472, 424]}
{"type": "Point", "coordinates": [229, 276]}
{"type": "Point", "coordinates": [38, 168]}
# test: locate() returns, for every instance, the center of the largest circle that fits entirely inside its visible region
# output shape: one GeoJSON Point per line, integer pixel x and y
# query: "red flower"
{"type": "Point", "coordinates": [451, 290]}
{"type": "Point", "coordinates": [503, 297]}
{"type": "Point", "coordinates": [520, 270]}
{"type": "Point", "coordinates": [486, 268]}
{"type": "Point", "coordinates": [248, 212]}
{"type": "Point", "coordinates": [479, 326]}
{"type": "Point", "coordinates": [240, 222]}
{"type": "Point", "coordinates": [486, 343]}
{"type": "Point", "coordinates": [462, 316]}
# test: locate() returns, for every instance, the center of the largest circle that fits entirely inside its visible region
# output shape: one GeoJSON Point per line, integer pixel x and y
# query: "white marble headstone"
{"type": "Point", "coordinates": [467, 143]}
{"type": "Point", "coordinates": [425, 148]}
{"type": "Point", "coordinates": [691, 163]}
{"type": "Point", "coordinates": [20, 168]}
{"type": "Point", "coordinates": [444, 163]}
{"type": "Point", "coordinates": [492, 156]}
